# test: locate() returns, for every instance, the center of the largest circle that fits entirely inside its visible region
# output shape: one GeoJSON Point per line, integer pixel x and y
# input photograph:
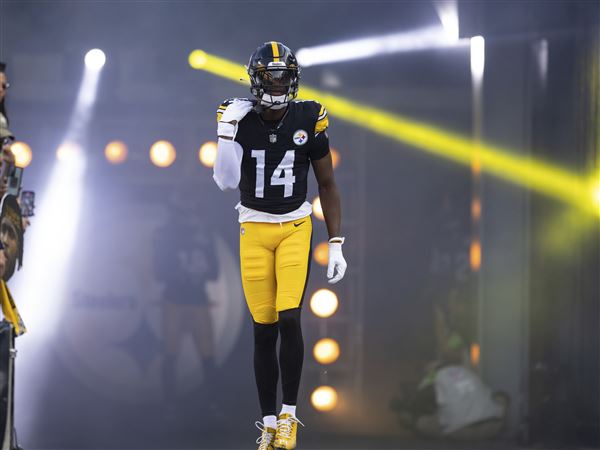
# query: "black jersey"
{"type": "Point", "coordinates": [277, 156]}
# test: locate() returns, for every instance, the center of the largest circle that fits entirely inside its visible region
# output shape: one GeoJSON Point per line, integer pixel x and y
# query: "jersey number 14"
{"type": "Point", "coordinates": [282, 176]}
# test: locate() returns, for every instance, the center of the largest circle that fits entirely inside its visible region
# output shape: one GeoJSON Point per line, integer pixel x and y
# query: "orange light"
{"type": "Point", "coordinates": [476, 209]}
{"type": "Point", "coordinates": [335, 158]}
{"type": "Point", "coordinates": [475, 354]}
{"type": "Point", "coordinates": [476, 162]}
{"type": "Point", "coordinates": [321, 253]}
{"type": "Point", "coordinates": [324, 398]}
{"type": "Point", "coordinates": [162, 154]}
{"type": "Point", "coordinates": [22, 152]}
{"type": "Point", "coordinates": [116, 152]}
{"type": "Point", "coordinates": [317, 210]}
{"type": "Point", "coordinates": [208, 153]}
{"type": "Point", "coordinates": [324, 303]}
{"type": "Point", "coordinates": [475, 255]}
{"type": "Point", "coordinates": [326, 351]}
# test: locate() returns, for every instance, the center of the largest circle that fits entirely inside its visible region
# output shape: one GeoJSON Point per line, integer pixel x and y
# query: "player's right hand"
{"type": "Point", "coordinates": [235, 112]}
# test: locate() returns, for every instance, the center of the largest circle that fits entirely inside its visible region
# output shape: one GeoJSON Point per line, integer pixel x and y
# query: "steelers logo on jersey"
{"type": "Point", "coordinates": [300, 137]}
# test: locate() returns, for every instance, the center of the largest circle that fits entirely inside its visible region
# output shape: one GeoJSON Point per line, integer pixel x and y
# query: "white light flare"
{"type": "Point", "coordinates": [95, 59]}
{"type": "Point", "coordinates": [426, 38]}
{"type": "Point", "coordinates": [447, 11]}
{"type": "Point", "coordinates": [50, 241]}
{"type": "Point", "coordinates": [41, 288]}
{"type": "Point", "coordinates": [477, 58]}
{"type": "Point", "coordinates": [87, 96]}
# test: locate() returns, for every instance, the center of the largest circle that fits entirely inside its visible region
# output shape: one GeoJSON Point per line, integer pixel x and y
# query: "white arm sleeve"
{"type": "Point", "coordinates": [227, 169]}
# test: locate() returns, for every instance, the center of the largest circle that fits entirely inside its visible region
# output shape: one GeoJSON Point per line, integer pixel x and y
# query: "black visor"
{"type": "Point", "coordinates": [273, 79]}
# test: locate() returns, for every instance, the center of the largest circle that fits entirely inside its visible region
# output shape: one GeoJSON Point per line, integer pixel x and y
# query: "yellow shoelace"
{"type": "Point", "coordinates": [285, 426]}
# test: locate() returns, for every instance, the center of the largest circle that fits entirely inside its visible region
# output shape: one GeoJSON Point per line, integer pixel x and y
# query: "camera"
{"type": "Point", "coordinates": [15, 177]}
{"type": "Point", "coordinates": [6, 140]}
{"type": "Point", "coordinates": [27, 203]}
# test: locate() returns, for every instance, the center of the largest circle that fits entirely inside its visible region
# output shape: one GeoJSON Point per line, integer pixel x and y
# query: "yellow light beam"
{"type": "Point", "coordinates": [522, 170]}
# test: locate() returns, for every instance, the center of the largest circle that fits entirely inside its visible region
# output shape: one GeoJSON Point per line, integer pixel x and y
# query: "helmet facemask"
{"type": "Point", "coordinates": [275, 86]}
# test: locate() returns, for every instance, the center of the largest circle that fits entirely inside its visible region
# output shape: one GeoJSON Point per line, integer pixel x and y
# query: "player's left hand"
{"type": "Point", "coordinates": [337, 264]}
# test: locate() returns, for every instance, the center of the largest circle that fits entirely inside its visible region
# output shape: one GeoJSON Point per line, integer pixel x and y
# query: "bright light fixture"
{"type": "Point", "coordinates": [116, 152]}
{"type": "Point", "coordinates": [317, 210]}
{"type": "Point", "coordinates": [477, 57]}
{"type": "Point", "coordinates": [324, 398]}
{"type": "Point", "coordinates": [324, 303]}
{"type": "Point", "coordinates": [22, 152]}
{"type": "Point", "coordinates": [208, 153]}
{"type": "Point", "coordinates": [95, 59]}
{"type": "Point", "coordinates": [321, 253]}
{"type": "Point", "coordinates": [162, 154]}
{"type": "Point", "coordinates": [432, 37]}
{"type": "Point", "coordinates": [326, 351]}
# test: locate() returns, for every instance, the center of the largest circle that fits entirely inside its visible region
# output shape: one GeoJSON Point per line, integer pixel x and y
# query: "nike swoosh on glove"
{"type": "Point", "coordinates": [337, 264]}
{"type": "Point", "coordinates": [235, 112]}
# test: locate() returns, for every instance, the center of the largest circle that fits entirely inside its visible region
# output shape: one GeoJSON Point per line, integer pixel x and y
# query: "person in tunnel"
{"type": "Point", "coordinates": [451, 400]}
{"type": "Point", "coordinates": [185, 261]}
{"type": "Point", "coordinates": [265, 148]}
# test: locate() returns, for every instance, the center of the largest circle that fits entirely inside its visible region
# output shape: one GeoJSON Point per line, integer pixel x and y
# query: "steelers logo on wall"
{"type": "Point", "coordinates": [143, 327]}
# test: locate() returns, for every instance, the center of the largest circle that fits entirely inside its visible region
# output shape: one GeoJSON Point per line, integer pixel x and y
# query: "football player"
{"type": "Point", "coordinates": [265, 148]}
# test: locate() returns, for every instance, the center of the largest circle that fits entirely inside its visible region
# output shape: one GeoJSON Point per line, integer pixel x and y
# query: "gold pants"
{"type": "Point", "coordinates": [274, 260]}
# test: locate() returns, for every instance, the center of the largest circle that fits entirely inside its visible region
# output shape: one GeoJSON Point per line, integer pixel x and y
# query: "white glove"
{"type": "Point", "coordinates": [235, 112]}
{"type": "Point", "coordinates": [337, 264]}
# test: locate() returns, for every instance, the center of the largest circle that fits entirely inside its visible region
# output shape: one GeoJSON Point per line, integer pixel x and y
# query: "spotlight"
{"type": "Point", "coordinates": [208, 153]}
{"type": "Point", "coordinates": [335, 158]}
{"type": "Point", "coordinates": [448, 13]}
{"type": "Point", "coordinates": [475, 354]}
{"type": "Point", "coordinates": [596, 195]}
{"type": "Point", "coordinates": [476, 209]}
{"type": "Point", "coordinates": [475, 255]}
{"type": "Point", "coordinates": [326, 351]}
{"type": "Point", "coordinates": [116, 152]}
{"type": "Point", "coordinates": [324, 303]}
{"type": "Point", "coordinates": [426, 38]}
{"type": "Point", "coordinates": [162, 154]}
{"type": "Point", "coordinates": [197, 59]}
{"type": "Point", "coordinates": [22, 152]}
{"type": "Point", "coordinates": [95, 59]}
{"type": "Point", "coordinates": [324, 398]}
{"type": "Point", "coordinates": [477, 57]}
{"type": "Point", "coordinates": [317, 210]}
{"type": "Point", "coordinates": [321, 253]}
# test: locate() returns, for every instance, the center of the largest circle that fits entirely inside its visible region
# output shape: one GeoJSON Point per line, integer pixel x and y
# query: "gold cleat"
{"type": "Point", "coordinates": [265, 441]}
{"type": "Point", "coordinates": [287, 426]}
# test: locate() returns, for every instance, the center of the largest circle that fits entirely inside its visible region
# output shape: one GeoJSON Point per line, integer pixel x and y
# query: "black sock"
{"type": "Point", "coordinates": [266, 368]}
{"type": "Point", "coordinates": [291, 354]}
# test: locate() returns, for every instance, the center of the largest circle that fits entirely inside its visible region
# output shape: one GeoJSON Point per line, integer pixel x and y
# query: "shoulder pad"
{"type": "Point", "coordinates": [322, 120]}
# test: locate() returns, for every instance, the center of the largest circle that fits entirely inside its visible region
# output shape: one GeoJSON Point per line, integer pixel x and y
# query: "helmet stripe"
{"type": "Point", "coordinates": [275, 48]}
